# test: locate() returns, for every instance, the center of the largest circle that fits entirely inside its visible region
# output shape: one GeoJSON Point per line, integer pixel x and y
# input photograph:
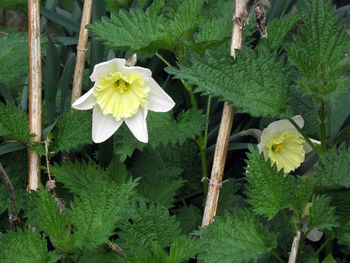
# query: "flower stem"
{"type": "Point", "coordinates": [341, 135]}
{"type": "Point", "coordinates": [202, 139]}
{"type": "Point", "coordinates": [322, 127]}
{"type": "Point", "coordinates": [277, 256]}
{"type": "Point", "coordinates": [323, 246]}
{"type": "Point", "coordinates": [307, 139]}
{"type": "Point", "coordinates": [285, 217]}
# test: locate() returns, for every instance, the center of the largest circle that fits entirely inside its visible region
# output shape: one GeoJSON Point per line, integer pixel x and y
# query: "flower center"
{"type": "Point", "coordinates": [277, 148]}
{"type": "Point", "coordinates": [286, 150]}
{"type": "Point", "coordinates": [121, 96]}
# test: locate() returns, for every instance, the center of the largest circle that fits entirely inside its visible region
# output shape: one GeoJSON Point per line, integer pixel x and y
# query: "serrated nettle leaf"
{"type": "Point", "coordinates": [146, 31]}
{"type": "Point", "coordinates": [269, 190]}
{"type": "Point", "coordinates": [14, 57]}
{"type": "Point", "coordinates": [333, 172]}
{"type": "Point", "coordinates": [340, 199]}
{"type": "Point", "coordinates": [239, 237]}
{"type": "Point", "coordinates": [70, 131]}
{"type": "Point", "coordinates": [320, 51]}
{"type": "Point", "coordinates": [25, 246]}
{"type": "Point", "coordinates": [322, 214]}
{"type": "Point", "coordinates": [278, 31]}
{"type": "Point", "coordinates": [148, 226]}
{"type": "Point", "coordinates": [14, 123]}
{"type": "Point", "coordinates": [257, 82]}
{"type": "Point", "coordinates": [163, 129]}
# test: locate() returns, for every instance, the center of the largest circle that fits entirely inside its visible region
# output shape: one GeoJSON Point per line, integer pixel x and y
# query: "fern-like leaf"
{"type": "Point", "coordinates": [256, 83]}
{"type": "Point", "coordinates": [14, 123]}
{"type": "Point", "coordinates": [25, 246]}
{"type": "Point", "coordinates": [319, 52]}
{"type": "Point", "coordinates": [269, 190]}
{"type": "Point", "coordinates": [71, 131]}
{"type": "Point", "coordinates": [239, 237]}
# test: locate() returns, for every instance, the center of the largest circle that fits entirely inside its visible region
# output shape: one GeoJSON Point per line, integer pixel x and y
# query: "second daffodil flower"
{"type": "Point", "coordinates": [122, 94]}
{"type": "Point", "coordinates": [284, 145]}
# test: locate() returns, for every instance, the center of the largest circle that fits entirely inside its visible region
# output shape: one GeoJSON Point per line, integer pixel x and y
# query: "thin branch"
{"type": "Point", "coordinates": [81, 51]}
{"type": "Point", "coordinates": [34, 91]}
{"type": "Point", "coordinates": [225, 125]}
{"type": "Point", "coordinates": [295, 247]}
{"type": "Point", "coordinates": [13, 218]}
{"type": "Point", "coordinates": [115, 248]}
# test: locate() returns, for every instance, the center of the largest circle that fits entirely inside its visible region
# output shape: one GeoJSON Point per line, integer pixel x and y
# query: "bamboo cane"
{"type": "Point", "coordinates": [225, 125]}
{"type": "Point", "coordinates": [34, 91]}
{"type": "Point", "coordinates": [81, 51]}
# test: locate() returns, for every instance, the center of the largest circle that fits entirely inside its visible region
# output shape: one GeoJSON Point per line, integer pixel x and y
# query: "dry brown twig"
{"type": "Point", "coordinates": [13, 218]}
{"type": "Point", "coordinates": [81, 51]}
{"type": "Point", "coordinates": [34, 91]}
{"type": "Point", "coordinates": [242, 10]}
{"type": "Point", "coordinates": [294, 249]}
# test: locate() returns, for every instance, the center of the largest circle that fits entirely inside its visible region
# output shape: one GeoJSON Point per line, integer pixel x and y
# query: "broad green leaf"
{"type": "Point", "coordinates": [239, 237]}
{"type": "Point", "coordinates": [25, 246]}
{"type": "Point", "coordinates": [14, 123]}
{"type": "Point", "coordinates": [269, 190]}
{"type": "Point", "coordinates": [333, 172]}
{"type": "Point", "coordinates": [322, 214]}
{"type": "Point", "coordinates": [257, 82]}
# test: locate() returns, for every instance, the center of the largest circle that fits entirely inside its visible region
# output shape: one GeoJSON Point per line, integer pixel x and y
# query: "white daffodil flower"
{"type": "Point", "coordinates": [284, 145]}
{"type": "Point", "coordinates": [122, 94]}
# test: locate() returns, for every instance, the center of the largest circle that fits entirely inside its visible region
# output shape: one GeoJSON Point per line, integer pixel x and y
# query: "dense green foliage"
{"type": "Point", "coordinates": [127, 201]}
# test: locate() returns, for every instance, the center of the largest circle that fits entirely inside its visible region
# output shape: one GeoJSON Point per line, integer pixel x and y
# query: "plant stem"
{"type": "Point", "coordinates": [34, 91]}
{"type": "Point", "coordinates": [285, 217]}
{"type": "Point", "coordinates": [322, 128]}
{"type": "Point", "coordinates": [323, 246]}
{"type": "Point", "coordinates": [341, 135]}
{"type": "Point", "coordinates": [202, 140]}
{"type": "Point", "coordinates": [81, 51]}
{"type": "Point", "coordinates": [13, 218]}
{"type": "Point", "coordinates": [307, 139]}
{"type": "Point", "coordinates": [276, 256]}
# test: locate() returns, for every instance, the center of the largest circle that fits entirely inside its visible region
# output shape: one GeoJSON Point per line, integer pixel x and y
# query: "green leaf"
{"type": "Point", "coordinates": [190, 217]}
{"type": "Point", "coordinates": [333, 172]}
{"type": "Point", "coordinates": [25, 246]}
{"type": "Point", "coordinates": [14, 57]}
{"type": "Point", "coordinates": [148, 226]}
{"type": "Point", "coordinates": [340, 199]}
{"type": "Point", "coordinates": [239, 237]}
{"type": "Point", "coordinates": [71, 130]}
{"type": "Point", "coordinates": [302, 194]}
{"type": "Point", "coordinates": [163, 129]}
{"type": "Point", "coordinates": [60, 19]}
{"type": "Point", "coordinates": [319, 53]}
{"type": "Point", "coordinates": [95, 214]}
{"type": "Point", "coordinates": [268, 189]}
{"type": "Point", "coordinates": [278, 31]}
{"type": "Point", "coordinates": [329, 259]}
{"type": "Point", "coordinates": [256, 82]}
{"type": "Point", "coordinates": [14, 123]}
{"type": "Point", "coordinates": [135, 31]}
{"type": "Point", "coordinates": [182, 250]}
{"type": "Point", "coordinates": [322, 214]}
{"type": "Point", "coordinates": [146, 31]}
{"type": "Point", "coordinates": [54, 222]}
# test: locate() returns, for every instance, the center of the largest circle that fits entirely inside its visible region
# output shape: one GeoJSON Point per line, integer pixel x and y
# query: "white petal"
{"type": "Point", "coordinates": [138, 126]}
{"type": "Point", "coordinates": [308, 148]}
{"type": "Point", "coordinates": [85, 102]}
{"type": "Point", "coordinates": [145, 73]}
{"type": "Point", "coordinates": [299, 120]}
{"type": "Point", "coordinates": [314, 235]}
{"type": "Point", "coordinates": [103, 126]}
{"type": "Point", "coordinates": [104, 68]}
{"type": "Point", "coordinates": [158, 100]}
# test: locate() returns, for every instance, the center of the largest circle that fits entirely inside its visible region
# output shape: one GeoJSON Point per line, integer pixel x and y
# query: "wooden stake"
{"type": "Point", "coordinates": [294, 249]}
{"type": "Point", "coordinates": [225, 125]}
{"type": "Point", "coordinates": [34, 91]}
{"type": "Point", "coordinates": [81, 51]}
